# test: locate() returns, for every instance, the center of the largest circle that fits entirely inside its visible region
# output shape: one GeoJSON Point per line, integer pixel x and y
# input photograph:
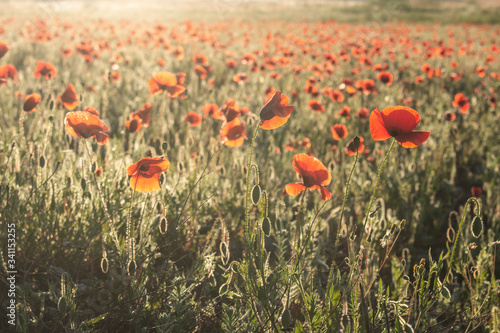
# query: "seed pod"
{"type": "Point", "coordinates": [104, 265]}
{"type": "Point", "coordinates": [476, 227]}
{"type": "Point", "coordinates": [164, 145]}
{"type": "Point", "coordinates": [132, 266]}
{"type": "Point", "coordinates": [286, 317]}
{"type": "Point", "coordinates": [83, 183]}
{"type": "Point", "coordinates": [445, 293]}
{"type": "Point", "coordinates": [356, 142]}
{"type": "Point", "coordinates": [223, 289]}
{"type": "Point", "coordinates": [41, 162]}
{"type": "Point", "coordinates": [62, 305]}
{"type": "Point", "coordinates": [94, 167]}
{"type": "Point", "coordinates": [163, 225]}
{"type": "Point", "coordinates": [256, 194]}
{"type": "Point", "coordinates": [266, 226]}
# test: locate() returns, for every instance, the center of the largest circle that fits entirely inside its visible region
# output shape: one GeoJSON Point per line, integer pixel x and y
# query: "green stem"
{"type": "Point", "coordinates": [346, 194]}
{"type": "Point", "coordinates": [459, 230]}
{"type": "Point", "coordinates": [375, 188]}
{"type": "Point", "coordinates": [247, 197]}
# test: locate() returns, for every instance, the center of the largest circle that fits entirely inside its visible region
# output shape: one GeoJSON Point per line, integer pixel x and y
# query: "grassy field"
{"type": "Point", "coordinates": [143, 186]}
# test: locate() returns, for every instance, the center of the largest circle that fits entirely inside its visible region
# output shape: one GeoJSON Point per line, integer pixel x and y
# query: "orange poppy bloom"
{"type": "Point", "coordinates": [240, 78]}
{"type": "Point", "coordinates": [450, 116]}
{"type": "Point", "coordinates": [45, 69]}
{"type": "Point", "coordinates": [211, 110]}
{"type": "Point", "coordinates": [31, 102]}
{"type": "Point", "coordinates": [178, 53]}
{"type": "Point", "coordinates": [145, 173]}
{"type": "Point", "coordinates": [398, 122]}
{"type": "Point", "coordinates": [345, 112]}
{"type": "Point", "coordinates": [275, 112]}
{"type": "Point", "coordinates": [66, 52]}
{"type": "Point", "coordinates": [230, 110]}
{"type": "Point", "coordinates": [144, 114]}
{"type": "Point", "coordinates": [476, 191]}
{"type": "Point", "coordinates": [202, 71]}
{"type": "Point", "coordinates": [86, 125]}
{"type": "Point", "coordinates": [362, 113]}
{"type": "Point", "coordinates": [233, 133]}
{"type": "Point", "coordinates": [160, 62]}
{"type": "Point", "coordinates": [69, 98]}
{"type": "Point", "coordinates": [193, 119]}
{"type": "Point", "coordinates": [350, 149]}
{"type": "Point", "coordinates": [3, 48]}
{"type": "Point", "coordinates": [337, 96]}
{"type": "Point", "coordinates": [6, 72]}
{"type": "Point", "coordinates": [316, 106]}
{"type": "Point", "coordinates": [133, 123]}
{"type": "Point", "coordinates": [231, 63]}
{"type": "Point", "coordinates": [385, 77]}
{"type": "Point", "coordinates": [314, 176]}
{"type": "Point", "coordinates": [200, 59]}
{"type": "Point", "coordinates": [165, 81]}
{"type": "Point", "coordinates": [462, 102]}
{"type": "Point", "coordinates": [339, 132]}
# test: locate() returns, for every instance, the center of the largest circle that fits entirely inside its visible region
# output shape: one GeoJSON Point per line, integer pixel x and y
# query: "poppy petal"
{"type": "Point", "coordinates": [412, 139]}
{"type": "Point", "coordinates": [400, 119]}
{"type": "Point", "coordinates": [142, 183]}
{"type": "Point", "coordinates": [294, 188]}
{"type": "Point", "coordinates": [377, 126]}
{"type": "Point", "coordinates": [153, 86]}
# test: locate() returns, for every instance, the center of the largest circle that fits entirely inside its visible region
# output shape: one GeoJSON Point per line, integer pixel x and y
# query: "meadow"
{"type": "Point", "coordinates": [317, 169]}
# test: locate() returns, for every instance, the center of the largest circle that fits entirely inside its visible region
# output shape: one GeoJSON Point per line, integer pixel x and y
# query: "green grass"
{"type": "Point", "coordinates": [93, 255]}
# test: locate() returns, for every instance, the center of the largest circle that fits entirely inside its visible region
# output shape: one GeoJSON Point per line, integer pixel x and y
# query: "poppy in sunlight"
{"type": "Point", "coordinates": [133, 124]}
{"type": "Point", "coordinates": [193, 119]}
{"type": "Point", "coordinates": [31, 102]}
{"type": "Point", "coordinates": [398, 122]}
{"type": "Point", "coordinates": [481, 71]}
{"type": "Point", "coordinates": [230, 110]}
{"type": "Point", "coordinates": [462, 102]}
{"type": "Point", "coordinates": [314, 176]}
{"type": "Point", "coordinates": [85, 125]}
{"type": "Point", "coordinates": [316, 106]}
{"type": "Point", "coordinates": [233, 133]}
{"type": "Point", "coordinates": [385, 77]}
{"type": "Point", "coordinates": [178, 53]}
{"type": "Point", "coordinates": [3, 48]}
{"type": "Point", "coordinates": [200, 59]}
{"type": "Point", "coordinates": [363, 113]}
{"type": "Point", "coordinates": [240, 78]}
{"type": "Point", "coordinates": [7, 72]}
{"type": "Point", "coordinates": [350, 148]}
{"type": "Point", "coordinates": [202, 71]}
{"type": "Point", "coordinates": [145, 174]}
{"type": "Point", "coordinates": [144, 114]}
{"type": "Point", "coordinates": [45, 69]}
{"type": "Point", "coordinates": [211, 110]}
{"type": "Point", "coordinates": [337, 96]}
{"type": "Point", "coordinates": [165, 81]}
{"type": "Point", "coordinates": [339, 131]}
{"type": "Point", "coordinates": [69, 98]}
{"type": "Point", "coordinates": [345, 112]}
{"type": "Point", "coordinates": [275, 112]}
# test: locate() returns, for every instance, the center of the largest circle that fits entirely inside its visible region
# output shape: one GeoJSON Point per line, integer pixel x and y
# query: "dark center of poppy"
{"type": "Point", "coordinates": [144, 168]}
{"type": "Point", "coordinates": [393, 133]}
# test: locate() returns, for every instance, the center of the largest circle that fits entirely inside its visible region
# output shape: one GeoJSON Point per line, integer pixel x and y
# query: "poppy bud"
{"type": "Point", "coordinates": [51, 105]}
{"type": "Point", "coordinates": [83, 183]}
{"type": "Point", "coordinates": [132, 266]}
{"type": "Point", "coordinates": [223, 289]}
{"type": "Point", "coordinates": [402, 224]}
{"type": "Point", "coordinates": [62, 305]}
{"type": "Point", "coordinates": [42, 162]}
{"type": "Point", "coordinates": [286, 317]}
{"type": "Point", "coordinates": [266, 226]}
{"type": "Point", "coordinates": [51, 118]}
{"type": "Point", "coordinates": [445, 293]}
{"type": "Point", "coordinates": [93, 168]}
{"type": "Point", "coordinates": [163, 225]}
{"type": "Point", "coordinates": [256, 194]}
{"type": "Point", "coordinates": [476, 227]}
{"type": "Point", "coordinates": [356, 141]}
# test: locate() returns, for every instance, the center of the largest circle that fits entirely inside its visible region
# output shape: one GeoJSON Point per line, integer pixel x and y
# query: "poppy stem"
{"type": "Point", "coordinates": [375, 188]}
{"type": "Point", "coordinates": [247, 197]}
{"type": "Point", "coordinates": [458, 233]}
{"type": "Point", "coordinates": [346, 194]}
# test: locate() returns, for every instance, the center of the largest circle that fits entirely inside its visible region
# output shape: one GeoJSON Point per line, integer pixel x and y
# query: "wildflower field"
{"type": "Point", "coordinates": [319, 169]}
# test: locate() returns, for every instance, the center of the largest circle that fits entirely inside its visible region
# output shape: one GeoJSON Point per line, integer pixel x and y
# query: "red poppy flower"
{"type": "Point", "coordinates": [3, 48]}
{"type": "Point", "coordinates": [211, 110]}
{"type": "Point", "coordinates": [314, 176]}
{"type": "Point", "coordinates": [275, 112]}
{"type": "Point", "coordinates": [337, 96]}
{"type": "Point", "coordinates": [178, 53]}
{"type": "Point", "coordinates": [134, 123]}
{"type": "Point", "coordinates": [233, 133]}
{"type": "Point", "coordinates": [240, 78]}
{"type": "Point", "coordinates": [161, 62]}
{"type": "Point", "coordinates": [45, 69]}
{"type": "Point", "coordinates": [200, 59]}
{"type": "Point", "coordinates": [69, 98]}
{"type": "Point", "coordinates": [231, 63]}
{"type": "Point", "coordinates": [339, 131]}
{"type": "Point", "coordinates": [202, 71]}
{"type": "Point", "coordinates": [7, 72]}
{"type": "Point", "coordinates": [193, 119]}
{"type": "Point", "coordinates": [165, 81]}
{"type": "Point", "coordinates": [385, 77]}
{"type": "Point", "coordinates": [316, 106]}
{"type": "Point", "coordinates": [462, 102]}
{"type": "Point", "coordinates": [345, 112]}
{"type": "Point", "coordinates": [66, 52]}
{"type": "Point", "coordinates": [181, 77]}
{"type": "Point", "coordinates": [350, 149]}
{"type": "Point", "coordinates": [145, 174]}
{"type": "Point", "coordinates": [398, 122]}
{"type": "Point", "coordinates": [31, 102]}
{"type": "Point", "coordinates": [363, 113]}
{"type": "Point", "coordinates": [450, 116]}
{"type": "Point", "coordinates": [230, 110]}
{"type": "Point", "coordinates": [476, 191]}
{"type": "Point", "coordinates": [86, 125]}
